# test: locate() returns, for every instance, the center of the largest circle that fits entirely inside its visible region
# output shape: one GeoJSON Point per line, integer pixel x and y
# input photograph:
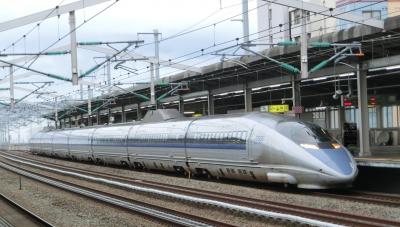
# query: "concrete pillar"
{"type": "Point", "coordinates": [82, 122]}
{"type": "Point", "coordinates": [363, 111]}
{"type": "Point", "coordinates": [296, 93]}
{"type": "Point", "coordinates": [109, 116]}
{"type": "Point", "coordinates": [210, 102]}
{"type": "Point", "coordinates": [248, 102]}
{"type": "Point", "coordinates": [328, 117]}
{"type": "Point", "coordinates": [98, 118]}
{"type": "Point", "coordinates": [90, 123]}
{"type": "Point", "coordinates": [341, 120]}
{"type": "Point", "coordinates": [379, 117]}
{"type": "Point", "coordinates": [181, 105]}
{"type": "Point", "coordinates": [123, 114]}
{"type": "Point", "coordinates": [139, 113]}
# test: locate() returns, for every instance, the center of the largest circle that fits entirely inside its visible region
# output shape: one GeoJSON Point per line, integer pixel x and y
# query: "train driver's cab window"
{"type": "Point", "coordinates": [307, 135]}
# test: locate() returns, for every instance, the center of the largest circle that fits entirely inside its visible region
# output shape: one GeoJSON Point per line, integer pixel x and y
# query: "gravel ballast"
{"type": "Point", "coordinates": [61, 208]}
{"type": "Point", "coordinates": [371, 210]}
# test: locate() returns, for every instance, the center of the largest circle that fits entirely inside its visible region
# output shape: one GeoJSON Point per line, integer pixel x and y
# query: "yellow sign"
{"type": "Point", "coordinates": [278, 108]}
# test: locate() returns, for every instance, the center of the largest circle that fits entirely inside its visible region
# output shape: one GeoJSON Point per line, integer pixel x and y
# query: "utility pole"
{"type": "Point", "coordinates": [12, 100]}
{"type": "Point", "coordinates": [157, 53]}
{"type": "Point", "coordinates": [156, 34]}
{"type": "Point", "coordinates": [81, 90]}
{"type": "Point", "coordinates": [245, 22]}
{"type": "Point", "coordinates": [74, 51]}
{"type": "Point", "coordinates": [304, 45]}
{"type": "Point", "coordinates": [297, 108]}
{"type": "Point", "coordinates": [245, 18]}
{"type": "Point", "coordinates": [152, 89]}
{"type": "Point", "coordinates": [109, 75]}
{"type": "Point", "coordinates": [56, 111]}
{"type": "Point", "coordinates": [89, 106]}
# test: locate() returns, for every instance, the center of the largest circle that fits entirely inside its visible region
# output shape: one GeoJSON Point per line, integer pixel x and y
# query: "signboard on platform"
{"type": "Point", "coordinates": [275, 108]}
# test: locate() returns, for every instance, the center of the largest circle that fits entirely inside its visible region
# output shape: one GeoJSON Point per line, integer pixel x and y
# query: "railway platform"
{"type": "Point", "coordinates": [382, 157]}
{"type": "Point", "coordinates": [379, 171]}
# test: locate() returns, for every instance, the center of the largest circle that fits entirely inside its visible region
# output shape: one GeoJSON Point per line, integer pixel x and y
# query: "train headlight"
{"type": "Point", "coordinates": [336, 145]}
{"type": "Point", "coordinates": [309, 146]}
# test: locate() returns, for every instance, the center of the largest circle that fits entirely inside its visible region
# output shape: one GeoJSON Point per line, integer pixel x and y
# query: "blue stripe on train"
{"type": "Point", "coordinates": [175, 145]}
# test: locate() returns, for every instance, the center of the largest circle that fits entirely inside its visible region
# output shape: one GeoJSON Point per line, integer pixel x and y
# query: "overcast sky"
{"type": "Point", "coordinates": [122, 22]}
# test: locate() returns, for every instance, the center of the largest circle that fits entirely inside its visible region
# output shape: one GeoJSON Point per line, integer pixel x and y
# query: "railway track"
{"type": "Point", "coordinates": [353, 195]}
{"type": "Point", "coordinates": [158, 213]}
{"type": "Point", "coordinates": [365, 197]}
{"type": "Point", "coordinates": [301, 211]}
{"type": "Point", "coordinates": [13, 214]}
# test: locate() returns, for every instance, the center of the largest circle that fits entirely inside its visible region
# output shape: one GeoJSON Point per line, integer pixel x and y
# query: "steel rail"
{"type": "Point", "coordinates": [160, 213]}
{"type": "Point", "coordinates": [353, 195]}
{"type": "Point", "coordinates": [327, 215]}
{"type": "Point", "coordinates": [272, 213]}
{"type": "Point", "coordinates": [35, 218]}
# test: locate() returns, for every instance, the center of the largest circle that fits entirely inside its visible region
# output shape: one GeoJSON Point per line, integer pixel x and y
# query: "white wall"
{"type": "Point", "coordinates": [318, 24]}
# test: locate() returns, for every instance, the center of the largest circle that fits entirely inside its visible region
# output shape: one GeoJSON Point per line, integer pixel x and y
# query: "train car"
{"type": "Point", "coordinates": [252, 146]}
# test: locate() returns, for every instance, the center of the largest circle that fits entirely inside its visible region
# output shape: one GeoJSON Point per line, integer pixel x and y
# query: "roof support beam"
{"type": "Point", "coordinates": [336, 13]}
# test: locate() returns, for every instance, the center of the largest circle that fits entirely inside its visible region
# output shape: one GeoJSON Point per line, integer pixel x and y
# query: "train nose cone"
{"type": "Point", "coordinates": [336, 159]}
{"type": "Point", "coordinates": [340, 161]}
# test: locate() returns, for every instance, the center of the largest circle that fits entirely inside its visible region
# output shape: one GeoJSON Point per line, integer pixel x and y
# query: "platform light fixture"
{"type": "Point", "coordinates": [393, 67]}
{"type": "Point", "coordinates": [222, 94]}
{"type": "Point", "coordinates": [188, 100]}
{"type": "Point", "coordinates": [345, 74]}
{"type": "Point", "coordinates": [275, 85]}
{"type": "Point", "coordinates": [320, 78]}
{"type": "Point", "coordinates": [384, 68]}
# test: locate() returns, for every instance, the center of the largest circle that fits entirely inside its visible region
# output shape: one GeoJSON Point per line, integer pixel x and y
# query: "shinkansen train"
{"type": "Point", "coordinates": [252, 146]}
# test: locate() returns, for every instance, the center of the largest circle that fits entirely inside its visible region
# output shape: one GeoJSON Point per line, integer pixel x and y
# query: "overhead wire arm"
{"type": "Point", "coordinates": [133, 93]}
{"type": "Point", "coordinates": [177, 87]}
{"type": "Point", "coordinates": [37, 71]}
{"type": "Point", "coordinates": [94, 43]}
{"type": "Point", "coordinates": [339, 54]}
{"type": "Point", "coordinates": [286, 66]}
{"type": "Point", "coordinates": [35, 54]}
{"type": "Point", "coordinates": [106, 60]}
{"type": "Point", "coordinates": [33, 92]}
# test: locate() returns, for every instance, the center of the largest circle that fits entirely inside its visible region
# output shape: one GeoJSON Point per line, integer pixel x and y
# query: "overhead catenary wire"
{"type": "Point", "coordinates": [33, 28]}
{"type": "Point", "coordinates": [280, 31]}
{"type": "Point", "coordinates": [170, 37]}
{"type": "Point", "coordinates": [233, 40]}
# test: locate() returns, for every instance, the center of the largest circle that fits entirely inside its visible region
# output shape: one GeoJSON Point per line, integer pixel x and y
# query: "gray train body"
{"type": "Point", "coordinates": [254, 146]}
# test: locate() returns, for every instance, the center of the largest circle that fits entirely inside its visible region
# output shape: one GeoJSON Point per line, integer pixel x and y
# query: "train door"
{"type": "Point", "coordinates": [249, 144]}
{"type": "Point", "coordinates": [91, 150]}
